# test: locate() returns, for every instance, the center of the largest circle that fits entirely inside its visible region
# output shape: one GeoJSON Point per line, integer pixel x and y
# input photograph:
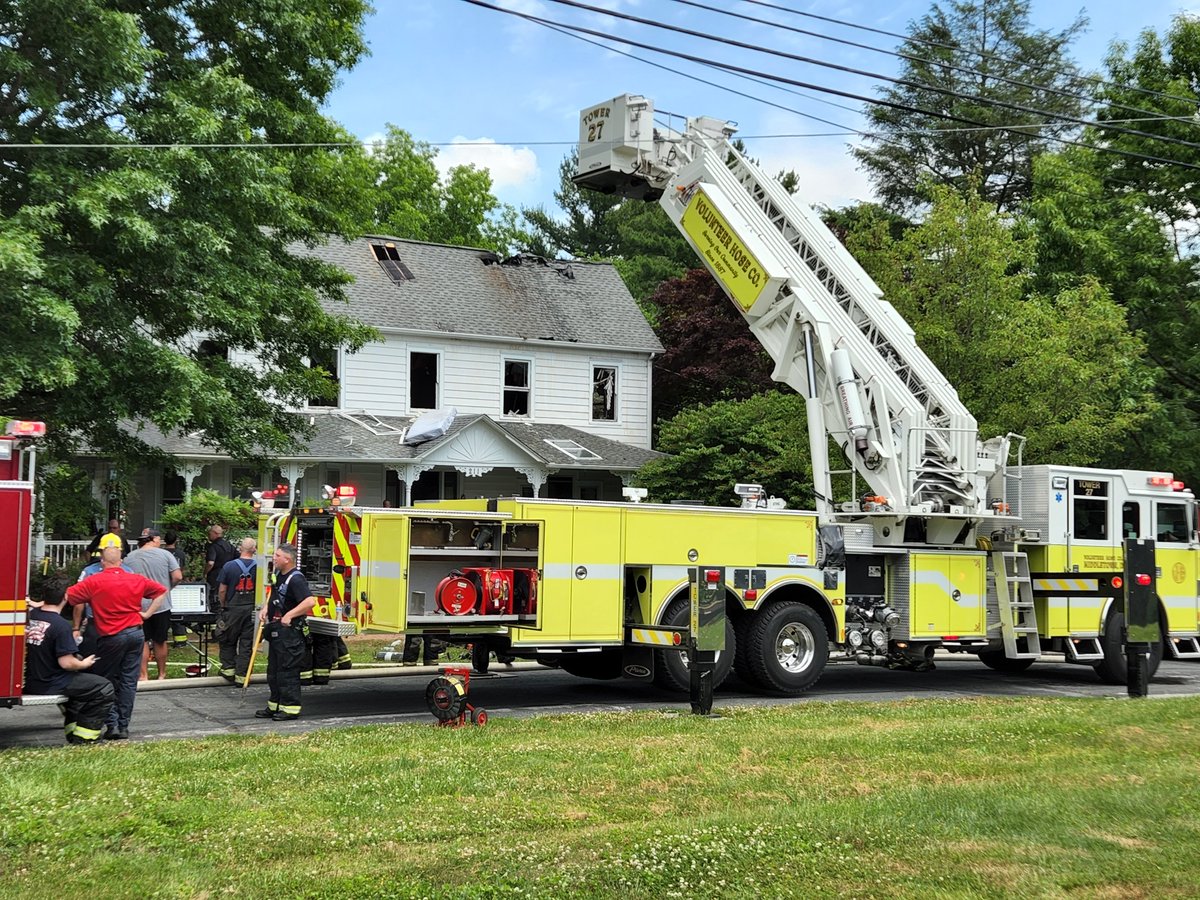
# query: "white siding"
{"type": "Point", "coordinates": [375, 378]}
{"type": "Point", "coordinates": [471, 379]}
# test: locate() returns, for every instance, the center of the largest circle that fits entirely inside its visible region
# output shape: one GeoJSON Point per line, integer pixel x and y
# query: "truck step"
{"type": "Point", "coordinates": [1083, 650]}
{"type": "Point", "coordinates": [1183, 648]}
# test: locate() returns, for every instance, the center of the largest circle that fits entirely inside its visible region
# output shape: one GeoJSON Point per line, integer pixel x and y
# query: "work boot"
{"type": "Point", "coordinates": [264, 714]}
{"type": "Point", "coordinates": [117, 734]}
{"type": "Point", "coordinates": [285, 716]}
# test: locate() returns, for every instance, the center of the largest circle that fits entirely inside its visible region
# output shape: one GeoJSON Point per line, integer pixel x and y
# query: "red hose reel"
{"type": "Point", "coordinates": [485, 591]}
{"type": "Point", "coordinates": [456, 595]}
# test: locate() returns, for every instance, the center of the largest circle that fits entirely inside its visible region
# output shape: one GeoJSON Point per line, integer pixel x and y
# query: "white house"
{"type": "Point", "coordinates": [548, 364]}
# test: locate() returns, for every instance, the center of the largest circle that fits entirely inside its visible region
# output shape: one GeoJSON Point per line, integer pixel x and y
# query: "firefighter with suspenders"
{"type": "Point", "coordinates": [284, 618]}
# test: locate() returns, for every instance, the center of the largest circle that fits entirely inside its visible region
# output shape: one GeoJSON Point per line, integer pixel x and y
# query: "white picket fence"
{"type": "Point", "coordinates": [62, 552]}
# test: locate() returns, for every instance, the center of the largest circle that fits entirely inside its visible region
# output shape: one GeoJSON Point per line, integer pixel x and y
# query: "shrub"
{"type": "Point", "coordinates": [194, 516]}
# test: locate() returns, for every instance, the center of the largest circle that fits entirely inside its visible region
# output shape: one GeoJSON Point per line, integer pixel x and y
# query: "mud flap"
{"type": "Point", "coordinates": [637, 662]}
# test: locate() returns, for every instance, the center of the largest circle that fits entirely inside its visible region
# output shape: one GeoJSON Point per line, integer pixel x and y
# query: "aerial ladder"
{"type": "Point", "coordinates": [832, 336]}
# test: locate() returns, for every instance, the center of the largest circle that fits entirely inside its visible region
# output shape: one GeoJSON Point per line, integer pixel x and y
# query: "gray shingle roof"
{"type": "Point", "coordinates": [361, 437]}
{"type": "Point", "coordinates": [460, 290]}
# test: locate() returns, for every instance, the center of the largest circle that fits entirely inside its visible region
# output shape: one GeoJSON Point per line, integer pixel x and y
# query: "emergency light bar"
{"type": "Point", "coordinates": [17, 428]}
{"type": "Point", "coordinates": [1166, 481]}
{"type": "Point", "coordinates": [343, 495]}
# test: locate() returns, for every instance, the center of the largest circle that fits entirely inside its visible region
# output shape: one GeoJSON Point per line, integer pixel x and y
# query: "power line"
{"type": "Point", "coordinates": [982, 54]}
{"type": "Point", "coordinates": [920, 59]}
{"type": "Point", "coordinates": [741, 45]}
{"type": "Point", "coordinates": [1013, 129]}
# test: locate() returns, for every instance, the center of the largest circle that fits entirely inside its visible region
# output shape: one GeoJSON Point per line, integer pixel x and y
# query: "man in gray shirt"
{"type": "Point", "coordinates": [151, 560]}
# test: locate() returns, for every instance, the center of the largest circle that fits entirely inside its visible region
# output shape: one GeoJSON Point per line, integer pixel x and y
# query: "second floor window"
{"type": "Point", "coordinates": [516, 388]}
{"type": "Point", "coordinates": [604, 393]}
{"type": "Point", "coordinates": [327, 362]}
{"type": "Point", "coordinates": [422, 380]}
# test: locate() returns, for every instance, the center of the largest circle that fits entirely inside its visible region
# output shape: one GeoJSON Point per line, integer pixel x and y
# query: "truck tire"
{"type": "Point", "coordinates": [481, 657]}
{"type": "Point", "coordinates": [602, 666]}
{"type": "Point", "coordinates": [671, 670]}
{"type": "Point", "coordinates": [995, 659]}
{"type": "Point", "coordinates": [1113, 669]}
{"type": "Point", "coordinates": [741, 658]}
{"type": "Point", "coordinates": [788, 648]}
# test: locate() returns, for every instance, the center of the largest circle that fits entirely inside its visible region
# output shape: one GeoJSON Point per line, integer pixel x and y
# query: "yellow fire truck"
{"type": "Point", "coordinates": [599, 589]}
{"type": "Point", "coordinates": [943, 541]}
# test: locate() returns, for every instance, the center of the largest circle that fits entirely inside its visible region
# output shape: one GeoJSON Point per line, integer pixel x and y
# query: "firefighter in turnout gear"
{"type": "Point", "coordinates": [285, 626]}
{"type": "Point", "coordinates": [54, 667]}
{"type": "Point", "coordinates": [235, 611]}
{"type": "Point", "coordinates": [326, 653]}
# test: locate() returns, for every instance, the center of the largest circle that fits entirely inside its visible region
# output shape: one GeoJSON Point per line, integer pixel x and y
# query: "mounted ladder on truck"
{"type": "Point", "coordinates": [919, 573]}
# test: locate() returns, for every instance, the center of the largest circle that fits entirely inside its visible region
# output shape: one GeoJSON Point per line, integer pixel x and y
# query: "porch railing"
{"type": "Point", "coordinates": [63, 552]}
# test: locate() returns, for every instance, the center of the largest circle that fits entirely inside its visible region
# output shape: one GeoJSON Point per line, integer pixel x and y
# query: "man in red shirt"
{"type": "Point", "coordinates": [116, 596]}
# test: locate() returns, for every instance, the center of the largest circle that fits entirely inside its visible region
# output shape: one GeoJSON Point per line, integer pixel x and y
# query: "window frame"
{"type": "Point", "coordinates": [437, 386]}
{"type": "Point", "coordinates": [1092, 499]}
{"type": "Point", "coordinates": [1171, 535]}
{"type": "Point", "coordinates": [338, 362]}
{"type": "Point", "coordinates": [504, 387]}
{"type": "Point", "coordinates": [617, 391]}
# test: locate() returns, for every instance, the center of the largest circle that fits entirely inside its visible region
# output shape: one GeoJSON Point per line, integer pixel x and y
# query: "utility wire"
{"type": "Point", "coordinates": [847, 129]}
{"type": "Point", "coordinates": [742, 45]}
{"type": "Point", "coordinates": [1045, 89]}
{"type": "Point", "coordinates": [982, 54]}
{"type": "Point", "coordinates": [1014, 129]}
{"type": "Point", "coordinates": [882, 138]}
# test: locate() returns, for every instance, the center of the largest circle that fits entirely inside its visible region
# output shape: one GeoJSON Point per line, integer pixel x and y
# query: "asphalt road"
{"type": "Point", "coordinates": [198, 707]}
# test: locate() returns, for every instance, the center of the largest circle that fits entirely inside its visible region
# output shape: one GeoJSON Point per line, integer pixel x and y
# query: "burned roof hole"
{"type": "Point", "coordinates": [389, 260]}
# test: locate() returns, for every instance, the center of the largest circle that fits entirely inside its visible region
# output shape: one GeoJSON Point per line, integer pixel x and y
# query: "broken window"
{"type": "Point", "coordinates": [516, 387]}
{"type": "Point", "coordinates": [604, 393]}
{"type": "Point", "coordinates": [210, 349]}
{"type": "Point", "coordinates": [326, 361]}
{"type": "Point", "coordinates": [422, 380]}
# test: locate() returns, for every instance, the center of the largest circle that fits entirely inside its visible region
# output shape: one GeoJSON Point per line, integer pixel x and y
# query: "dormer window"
{"type": "Point", "coordinates": [389, 260]}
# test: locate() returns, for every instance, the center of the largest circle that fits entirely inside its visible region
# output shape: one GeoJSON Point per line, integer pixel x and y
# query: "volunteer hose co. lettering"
{"type": "Point", "coordinates": [737, 253]}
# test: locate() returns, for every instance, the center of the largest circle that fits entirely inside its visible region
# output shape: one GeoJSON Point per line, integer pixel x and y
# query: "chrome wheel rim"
{"type": "Point", "coordinates": [795, 647]}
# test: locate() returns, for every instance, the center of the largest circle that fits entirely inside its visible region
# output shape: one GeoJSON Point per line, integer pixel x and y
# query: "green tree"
{"type": "Point", "coordinates": [959, 59]}
{"type": "Point", "coordinates": [1161, 77]}
{"type": "Point", "coordinates": [587, 231]}
{"type": "Point", "coordinates": [66, 506]}
{"type": "Point", "coordinates": [710, 353]}
{"type": "Point", "coordinates": [114, 256]}
{"type": "Point", "coordinates": [1088, 231]}
{"type": "Point", "coordinates": [412, 200]}
{"type": "Point", "coordinates": [761, 440]}
{"type": "Point", "coordinates": [1062, 368]}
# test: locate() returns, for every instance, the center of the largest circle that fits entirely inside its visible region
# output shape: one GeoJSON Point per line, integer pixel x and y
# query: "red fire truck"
{"type": "Point", "coordinates": [18, 456]}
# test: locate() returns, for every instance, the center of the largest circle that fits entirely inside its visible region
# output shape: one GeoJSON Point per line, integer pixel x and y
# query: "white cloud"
{"type": "Point", "coordinates": [510, 167]}
{"type": "Point", "coordinates": [828, 175]}
{"type": "Point", "coordinates": [375, 138]}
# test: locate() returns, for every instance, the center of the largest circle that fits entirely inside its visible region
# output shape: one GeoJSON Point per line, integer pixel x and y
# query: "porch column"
{"type": "Point", "coordinates": [189, 472]}
{"type": "Point", "coordinates": [293, 472]}
{"type": "Point", "coordinates": [408, 475]}
{"type": "Point", "coordinates": [536, 477]}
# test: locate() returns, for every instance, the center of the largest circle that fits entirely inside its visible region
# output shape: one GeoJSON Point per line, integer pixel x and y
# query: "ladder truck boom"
{"type": "Point", "coordinates": [824, 322]}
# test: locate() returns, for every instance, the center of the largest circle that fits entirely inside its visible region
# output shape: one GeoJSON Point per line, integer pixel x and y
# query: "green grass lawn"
{"type": "Point", "coordinates": [987, 798]}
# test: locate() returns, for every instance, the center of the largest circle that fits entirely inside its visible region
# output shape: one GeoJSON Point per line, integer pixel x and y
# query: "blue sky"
{"type": "Point", "coordinates": [450, 73]}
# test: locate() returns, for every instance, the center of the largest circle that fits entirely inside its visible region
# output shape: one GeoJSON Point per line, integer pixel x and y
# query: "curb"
{"type": "Point", "coordinates": [171, 684]}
